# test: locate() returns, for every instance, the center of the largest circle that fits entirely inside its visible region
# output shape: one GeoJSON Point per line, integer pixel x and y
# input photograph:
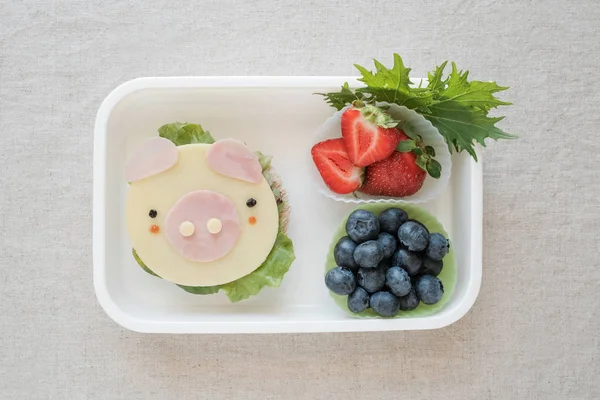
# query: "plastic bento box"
{"type": "Point", "coordinates": [279, 116]}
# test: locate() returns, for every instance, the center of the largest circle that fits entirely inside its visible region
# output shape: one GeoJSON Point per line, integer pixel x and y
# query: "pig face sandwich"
{"type": "Point", "coordinates": [207, 215]}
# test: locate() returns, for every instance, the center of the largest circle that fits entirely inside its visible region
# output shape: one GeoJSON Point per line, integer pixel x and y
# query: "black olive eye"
{"type": "Point", "coordinates": [152, 213]}
{"type": "Point", "coordinates": [251, 202]}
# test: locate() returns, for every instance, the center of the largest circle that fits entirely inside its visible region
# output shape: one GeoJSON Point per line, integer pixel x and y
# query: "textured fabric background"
{"type": "Point", "coordinates": [534, 331]}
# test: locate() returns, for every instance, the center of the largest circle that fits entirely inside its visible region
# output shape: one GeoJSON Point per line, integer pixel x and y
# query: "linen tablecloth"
{"type": "Point", "coordinates": [534, 330]}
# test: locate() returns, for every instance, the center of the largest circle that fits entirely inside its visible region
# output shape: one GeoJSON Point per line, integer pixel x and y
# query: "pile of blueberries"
{"type": "Point", "coordinates": [388, 263]}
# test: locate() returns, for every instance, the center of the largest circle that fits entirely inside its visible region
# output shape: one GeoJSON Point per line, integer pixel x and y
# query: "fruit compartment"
{"type": "Point", "coordinates": [278, 116]}
{"type": "Point", "coordinates": [432, 188]}
{"type": "Point", "coordinates": [448, 276]}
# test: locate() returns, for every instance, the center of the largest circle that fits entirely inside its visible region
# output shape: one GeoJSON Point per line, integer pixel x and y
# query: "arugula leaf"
{"type": "Point", "coordinates": [457, 107]}
{"type": "Point", "coordinates": [184, 133]}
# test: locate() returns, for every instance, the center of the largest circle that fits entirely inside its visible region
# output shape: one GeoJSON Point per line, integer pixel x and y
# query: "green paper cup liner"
{"type": "Point", "coordinates": [448, 276]}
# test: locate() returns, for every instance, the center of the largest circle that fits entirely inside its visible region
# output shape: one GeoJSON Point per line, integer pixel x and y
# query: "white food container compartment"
{"type": "Point", "coordinates": [278, 116]}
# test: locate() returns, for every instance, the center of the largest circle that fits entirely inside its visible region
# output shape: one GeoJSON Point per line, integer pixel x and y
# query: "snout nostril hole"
{"type": "Point", "coordinates": [187, 228]}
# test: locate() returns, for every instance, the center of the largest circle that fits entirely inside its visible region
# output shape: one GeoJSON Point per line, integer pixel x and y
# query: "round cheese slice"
{"type": "Point", "coordinates": [191, 173]}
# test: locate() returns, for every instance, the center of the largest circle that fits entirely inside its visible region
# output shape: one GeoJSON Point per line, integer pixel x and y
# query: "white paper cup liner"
{"type": "Point", "coordinates": [412, 122]}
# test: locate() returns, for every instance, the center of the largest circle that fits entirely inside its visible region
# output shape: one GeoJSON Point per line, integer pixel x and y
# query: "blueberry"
{"type": "Point", "coordinates": [432, 267]}
{"type": "Point", "coordinates": [388, 243]}
{"type": "Point", "coordinates": [410, 261]}
{"type": "Point", "coordinates": [371, 279]}
{"type": "Point", "coordinates": [438, 246]}
{"type": "Point", "coordinates": [398, 281]}
{"type": "Point", "coordinates": [413, 235]}
{"type": "Point", "coordinates": [344, 253]}
{"type": "Point", "coordinates": [368, 254]}
{"type": "Point", "coordinates": [340, 281]}
{"type": "Point", "coordinates": [362, 225]}
{"type": "Point", "coordinates": [429, 289]}
{"type": "Point", "coordinates": [391, 219]}
{"type": "Point", "coordinates": [358, 301]}
{"type": "Point", "coordinates": [384, 304]}
{"type": "Point", "coordinates": [408, 302]}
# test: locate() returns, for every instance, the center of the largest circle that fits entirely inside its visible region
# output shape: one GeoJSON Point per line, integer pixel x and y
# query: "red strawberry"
{"type": "Point", "coordinates": [369, 135]}
{"type": "Point", "coordinates": [396, 176]}
{"type": "Point", "coordinates": [335, 167]}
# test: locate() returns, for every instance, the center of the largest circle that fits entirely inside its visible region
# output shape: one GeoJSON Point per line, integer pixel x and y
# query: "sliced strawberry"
{"type": "Point", "coordinates": [401, 135]}
{"type": "Point", "coordinates": [396, 176]}
{"type": "Point", "coordinates": [336, 169]}
{"type": "Point", "coordinates": [367, 138]}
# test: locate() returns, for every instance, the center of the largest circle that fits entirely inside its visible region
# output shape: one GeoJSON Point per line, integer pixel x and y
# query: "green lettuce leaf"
{"type": "Point", "coordinates": [279, 260]}
{"type": "Point", "coordinates": [201, 289]}
{"type": "Point", "coordinates": [270, 273]}
{"type": "Point", "coordinates": [184, 133]}
{"type": "Point", "coordinates": [141, 263]}
{"type": "Point", "coordinates": [457, 107]}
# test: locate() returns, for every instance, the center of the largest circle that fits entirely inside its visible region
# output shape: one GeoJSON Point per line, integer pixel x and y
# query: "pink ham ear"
{"type": "Point", "coordinates": [232, 158]}
{"type": "Point", "coordinates": [152, 157]}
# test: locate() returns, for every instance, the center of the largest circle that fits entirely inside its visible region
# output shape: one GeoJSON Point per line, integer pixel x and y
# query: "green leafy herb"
{"type": "Point", "coordinates": [184, 133]}
{"type": "Point", "coordinates": [340, 99]}
{"type": "Point", "coordinates": [392, 85]}
{"type": "Point", "coordinates": [462, 126]}
{"type": "Point", "coordinates": [457, 107]}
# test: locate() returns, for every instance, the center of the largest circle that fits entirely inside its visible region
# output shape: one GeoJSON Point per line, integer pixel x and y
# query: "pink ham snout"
{"type": "Point", "coordinates": [202, 226]}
